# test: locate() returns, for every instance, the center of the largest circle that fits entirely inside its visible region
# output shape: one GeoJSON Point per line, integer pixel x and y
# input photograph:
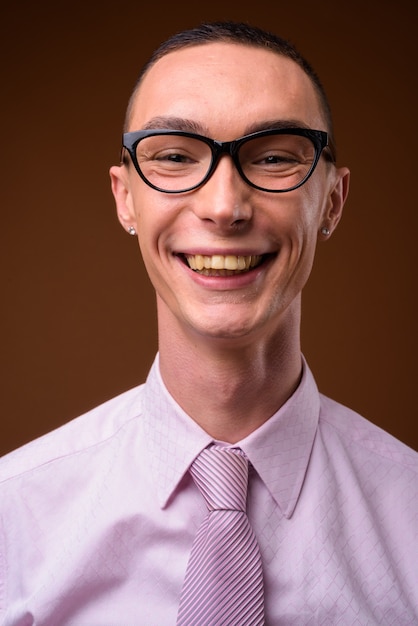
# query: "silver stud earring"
{"type": "Point", "coordinates": [131, 230]}
{"type": "Point", "coordinates": [325, 231]}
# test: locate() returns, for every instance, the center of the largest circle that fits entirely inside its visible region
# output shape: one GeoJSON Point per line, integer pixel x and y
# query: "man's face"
{"type": "Point", "coordinates": [224, 91]}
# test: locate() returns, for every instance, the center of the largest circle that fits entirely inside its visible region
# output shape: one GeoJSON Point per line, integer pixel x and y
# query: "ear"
{"type": "Point", "coordinates": [123, 198]}
{"type": "Point", "coordinates": [335, 202]}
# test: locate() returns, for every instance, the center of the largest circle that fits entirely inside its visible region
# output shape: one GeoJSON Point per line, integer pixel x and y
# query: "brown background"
{"type": "Point", "coordinates": [77, 314]}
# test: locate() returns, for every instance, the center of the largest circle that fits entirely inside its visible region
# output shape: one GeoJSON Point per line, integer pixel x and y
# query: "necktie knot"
{"type": "Point", "coordinates": [224, 577]}
{"type": "Point", "coordinates": [221, 475]}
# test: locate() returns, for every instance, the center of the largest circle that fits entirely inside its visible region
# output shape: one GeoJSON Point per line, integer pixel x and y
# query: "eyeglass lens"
{"type": "Point", "coordinates": [272, 162]}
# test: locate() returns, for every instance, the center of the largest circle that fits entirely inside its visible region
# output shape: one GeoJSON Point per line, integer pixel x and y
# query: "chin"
{"type": "Point", "coordinates": [226, 329]}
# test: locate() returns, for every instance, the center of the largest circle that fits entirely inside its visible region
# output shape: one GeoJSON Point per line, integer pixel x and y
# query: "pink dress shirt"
{"type": "Point", "coordinates": [98, 517]}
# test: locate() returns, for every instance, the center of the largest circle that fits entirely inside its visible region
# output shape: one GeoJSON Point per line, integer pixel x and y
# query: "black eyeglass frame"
{"type": "Point", "coordinates": [319, 138]}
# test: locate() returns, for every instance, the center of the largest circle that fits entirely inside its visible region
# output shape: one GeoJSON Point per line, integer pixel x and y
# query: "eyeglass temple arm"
{"type": "Point", "coordinates": [329, 151]}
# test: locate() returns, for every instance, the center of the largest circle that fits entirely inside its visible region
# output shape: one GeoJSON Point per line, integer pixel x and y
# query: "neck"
{"type": "Point", "coordinates": [231, 387]}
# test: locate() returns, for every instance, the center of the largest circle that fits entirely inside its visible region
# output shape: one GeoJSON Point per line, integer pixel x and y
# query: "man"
{"type": "Point", "coordinates": [228, 178]}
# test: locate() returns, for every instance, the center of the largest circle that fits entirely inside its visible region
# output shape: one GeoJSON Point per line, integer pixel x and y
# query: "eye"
{"type": "Point", "coordinates": [277, 153]}
{"type": "Point", "coordinates": [172, 152]}
{"type": "Point", "coordinates": [174, 157]}
{"type": "Point", "coordinates": [274, 161]}
{"type": "Point", "coordinates": [278, 158]}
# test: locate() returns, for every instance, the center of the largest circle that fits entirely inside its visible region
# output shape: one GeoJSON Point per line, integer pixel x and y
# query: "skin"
{"type": "Point", "coordinates": [229, 346]}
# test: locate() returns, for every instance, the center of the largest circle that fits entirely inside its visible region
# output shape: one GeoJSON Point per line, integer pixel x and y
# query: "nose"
{"type": "Point", "coordinates": [225, 199]}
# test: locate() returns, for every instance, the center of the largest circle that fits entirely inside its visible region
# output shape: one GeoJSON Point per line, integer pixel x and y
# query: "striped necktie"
{"type": "Point", "coordinates": [224, 581]}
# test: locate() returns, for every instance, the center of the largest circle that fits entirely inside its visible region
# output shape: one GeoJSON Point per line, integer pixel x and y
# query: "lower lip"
{"type": "Point", "coordinates": [235, 281]}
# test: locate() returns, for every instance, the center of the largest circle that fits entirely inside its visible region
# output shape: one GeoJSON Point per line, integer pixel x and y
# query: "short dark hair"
{"type": "Point", "coordinates": [241, 33]}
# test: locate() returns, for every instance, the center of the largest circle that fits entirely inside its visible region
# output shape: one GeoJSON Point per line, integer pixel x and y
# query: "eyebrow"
{"type": "Point", "coordinates": [275, 125]}
{"type": "Point", "coordinates": [183, 124]}
{"type": "Point", "coordinates": [175, 123]}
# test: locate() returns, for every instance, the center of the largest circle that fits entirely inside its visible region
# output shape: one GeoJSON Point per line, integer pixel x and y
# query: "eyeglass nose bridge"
{"type": "Point", "coordinates": [220, 148]}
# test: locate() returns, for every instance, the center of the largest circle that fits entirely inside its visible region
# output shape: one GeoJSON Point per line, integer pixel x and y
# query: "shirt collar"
{"type": "Point", "coordinates": [279, 450]}
{"type": "Point", "coordinates": [174, 440]}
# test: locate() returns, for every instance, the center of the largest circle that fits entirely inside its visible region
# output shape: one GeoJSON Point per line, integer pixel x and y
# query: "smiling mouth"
{"type": "Point", "coordinates": [222, 265]}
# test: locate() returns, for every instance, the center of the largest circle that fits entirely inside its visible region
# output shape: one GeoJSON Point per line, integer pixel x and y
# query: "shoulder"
{"type": "Point", "coordinates": [92, 429]}
{"type": "Point", "coordinates": [362, 438]}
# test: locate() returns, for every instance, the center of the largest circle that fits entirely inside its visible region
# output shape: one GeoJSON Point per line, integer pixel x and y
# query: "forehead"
{"type": "Point", "coordinates": [225, 88]}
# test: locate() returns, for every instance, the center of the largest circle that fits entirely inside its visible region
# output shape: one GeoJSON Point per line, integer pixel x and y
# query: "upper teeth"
{"type": "Point", "coordinates": [222, 262]}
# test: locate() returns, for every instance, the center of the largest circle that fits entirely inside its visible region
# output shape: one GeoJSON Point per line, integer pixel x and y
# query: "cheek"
{"type": "Point", "coordinates": [297, 216]}
{"type": "Point", "coordinates": [150, 210]}
{"type": "Point", "coordinates": [156, 216]}
{"type": "Point", "coordinates": [309, 209]}
{"type": "Point", "coordinates": [300, 220]}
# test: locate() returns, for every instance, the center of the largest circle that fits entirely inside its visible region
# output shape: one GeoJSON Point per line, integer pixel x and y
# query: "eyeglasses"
{"type": "Point", "coordinates": [274, 160]}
